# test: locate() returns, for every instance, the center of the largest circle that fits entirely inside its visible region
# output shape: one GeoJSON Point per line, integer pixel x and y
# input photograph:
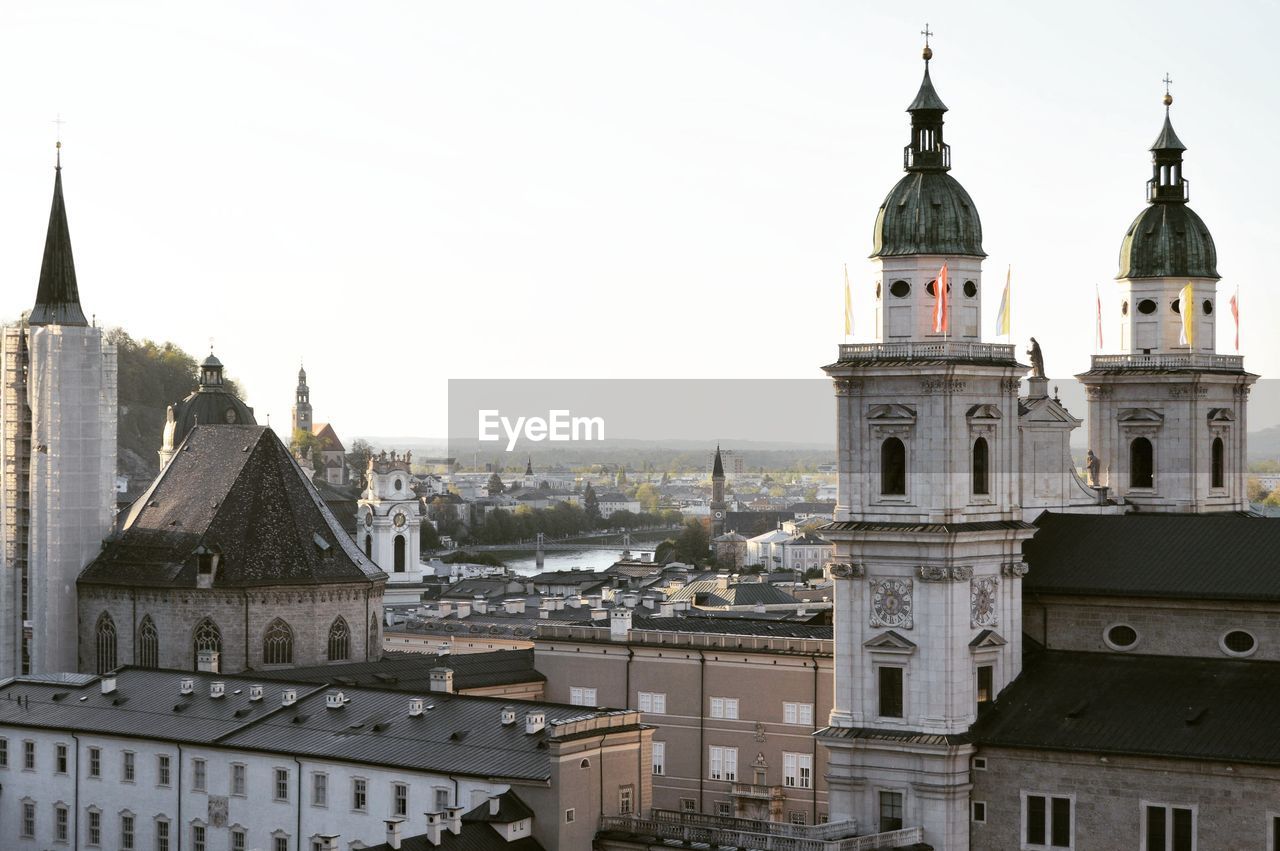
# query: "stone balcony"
{"type": "Point", "coordinates": [666, 825]}
{"type": "Point", "coordinates": [933, 350]}
{"type": "Point", "coordinates": [1170, 360]}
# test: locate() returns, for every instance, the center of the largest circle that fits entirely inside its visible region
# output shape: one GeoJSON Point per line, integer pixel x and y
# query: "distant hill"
{"type": "Point", "coordinates": [1265, 444]}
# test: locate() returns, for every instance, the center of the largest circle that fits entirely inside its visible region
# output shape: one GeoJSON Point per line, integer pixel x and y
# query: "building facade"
{"type": "Point", "coordinates": [391, 517]}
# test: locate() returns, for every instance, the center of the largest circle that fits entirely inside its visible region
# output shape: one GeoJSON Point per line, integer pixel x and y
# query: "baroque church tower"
{"type": "Point", "coordinates": [302, 404]}
{"type": "Point", "coordinates": [928, 531]}
{"type": "Point", "coordinates": [58, 418]}
{"type": "Point", "coordinates": [1167, 416]}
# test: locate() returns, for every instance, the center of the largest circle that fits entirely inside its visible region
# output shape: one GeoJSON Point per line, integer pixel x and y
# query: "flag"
{"type": "Point", "coordinates": [1098, 297]}
{"type": "Point", "coordinates": [1235, 314]}
{"type": "Point", "coordinates": [1187, 307]}
{"type": "Point", "coordinates": [941, 310]}
{"type": "Point", "coordinates": [1002, 318]}
{"type": "Point", "coordinates": [848, 304]}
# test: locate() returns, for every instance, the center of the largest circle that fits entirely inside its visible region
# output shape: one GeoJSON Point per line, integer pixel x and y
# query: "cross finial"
{"type": "Point", "coordinates": [1168, 98]}
{"type": "Point", "coordinates": [58, 122]}
{"type": "Point", "coordinates": [927, 53]}
{"type": "Point", "coordinates": [926, 32]}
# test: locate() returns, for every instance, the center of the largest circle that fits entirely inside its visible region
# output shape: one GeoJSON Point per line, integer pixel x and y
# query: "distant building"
{"type": "Point", "coordinates": [391, 518]}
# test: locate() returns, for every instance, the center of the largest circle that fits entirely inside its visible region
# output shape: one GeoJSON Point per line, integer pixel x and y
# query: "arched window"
{"type": "Point", "coordinates": [893, 467]}
{"type": "Point", "coordinates": [399, 554]}
{"type": "Point", "coordinates": [368, 546]}
{"type": "Point", "coordinates": [148, 644]}
{"type": "Point", "coordinates": [339, 641]}
{"type": "Point", "coordinates": [980, 466]}
{"type": "Point", "coordinates": [1141, 464]}
{"type": "Point", "coordinates": [206, 636]}
{"type": "Point", "coordinates": [277, 644]}
{"type": "Point", "coordinates": [1219, 475]}
{"type": "Point", "coordinates": [106, 643]}
{"type": "Point", "coordinates": [374, 640]}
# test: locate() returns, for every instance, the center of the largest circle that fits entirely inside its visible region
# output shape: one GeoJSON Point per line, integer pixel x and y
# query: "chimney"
{"type": "Point", "coordinates": [415, 707]}
{"type": "Point", "coordinates": [595, 600]}
{"type": "Point", "coordinates": [441, 679]}
{"type": "Point", "coordinates": [464, 609]}
{"type": "Point", "coordinates": [453, 819]}
{"type": "Point", "coordinates": [574, 601]}
{"type": "Point", "coordinates": [758, 608]}
{"type": "Point", "coordinates": [255, 693]}
{"type": "Point", "coordinates": [108, 683]}
{"type": "Point", "coordinates": [393, 832]}
{"type": "Point", "coordinates": [446, 608]}
{"type": "Point", "coordinates": [289, 696]}
{"type": "Point", "coordinates": [599, 614]}
{"type": "Point", "coordinates": [479, 605]}
{"type": "Point", "coordinates": [217, 688]}
{"type": "Point", "coordinates": [619, 624]}
{"type": "Point", "coordinates": [630, 599]}
{"type": "Point", "coordinates": [648, 602]}
{"type": "Point", "coordinates": [335, 700]}
{"type": "Point", "coordinates": [544, 610]}
{"type": "Point", "coordinates": [186, 685]}
{"type": "Point", "coordinates": [534, 720]}
{"type": "Point", "coordinates": [208, 661]}
{"type": "Point", "coordinates": [508, 716]}
{"type": "Point", "coordinates": [667, 609]}
{"type": "Point", "coordinates": [435, 821]}
{"type": "Point", "coordinates": [646, 558]}
{"type": "Point", "coordinates": [557, 602]}
{"type": "Point", "coordinates": [495, 801]}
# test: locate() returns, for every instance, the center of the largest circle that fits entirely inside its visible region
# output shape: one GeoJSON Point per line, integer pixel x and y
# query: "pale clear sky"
{"type": "Point", "coordinates": [400, 193]}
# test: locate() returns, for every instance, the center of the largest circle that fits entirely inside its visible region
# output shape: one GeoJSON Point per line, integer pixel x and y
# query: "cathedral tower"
{"type": "Point", "coordinates": [718, 505]}
{"type": "Point", "coordinates": [302, 404]}
{"type": "Point", "coordinates": [1167, 416]}
{"type": "Point", "coordinates": [390, 517]}
{"type": "Point", "coordinates": [58, 418]}
{"type": "Point", "coordinates": [928, 532]}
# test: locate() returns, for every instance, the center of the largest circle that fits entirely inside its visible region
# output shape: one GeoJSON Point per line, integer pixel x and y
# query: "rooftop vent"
{"type": "Point", "coordinates": [534, 721]}
{"type": "Point", "coordinates": [508, 716]}
{"type": "Point", "coordinates": [289, 696]}
{"type": "Point", "coordinates": [255, 693]}
{"type": "Point", "coordinates": [335, 700]}
{"type": "Point", "coordinates": [108, 684]}
{"type": "Point", "coordinates": [186, 685]}
{"type": "Point", "coordinates": [217, 689]}
{"type": "Point", "coordinates": [415, 706]}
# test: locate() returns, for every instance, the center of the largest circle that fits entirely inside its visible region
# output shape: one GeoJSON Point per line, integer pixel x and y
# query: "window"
{"type": "Point", "coordinates": [60, 759]}
{"type": "Point", "coordinates": [277, 644]}
{"type": "Point", "coordinates": [797, 713]}
{"type": "Point", "coordinates": [1141, 464]}
{"type": "Point", "coordinates": [28, 819]}
{"type": "Point", "coordinates": [4, 753]}
{"type": "Point", "coordinates": [106, 648]}
{"type": "Point", "coordinates": [582, 696]}
{"type": "Point", "coordinates": [148, 644]}
{"type": "Point", "coordinates": [1146, 306]}
{"type": "Point", "coordinates": [652, 701]}
{"type": "Point", "coordinates": [319, 790]}
{"type": "Point", "coordinates": [442, 800]}
{"type": "Point", "coordinates": [126, 832]}
{"type": "Point", "coordinates": [127, 767]}
{"type": "Point", "coordinates": [359, 794]}
{"type": "Point", "coordinates": [198, 837]}
{"type": "Point", "coordinates": [95, 762]}
{"type": "Point", "coordinates": [568, 816]}
{"type": "Point", "coordinates": [28, 756]}
{"type": "Point", "coordinates": [1219, 476]}
{"type": "Point", "coordinates": [200, 775]}
{"type": "Point", "coordinates": [280, 843]}
{"type": "Point", "coordinates": [890, 691]}
{"type": "Point", "coordinates": [688, 805]}
{"type": "Point", "coordinates": [986, 687]}
{"type": "Point", "coordinates": [1237, 642]}
{"type": "Point", "coordinates": [206, 636]}
{"type": "Point", "coordinates": [162, 834]}
{"type": "Point", "coordinates": [980, 812]}
{"type": "Point", "coordinates": [724, 763]}
{"type": "Point", "coordinates": [1169, 828]}
{"type": "Point", "coordinates": [60, 821]}
{"type": "Point", "coordinates": [1273, 840]}
{"type": "Point", "coordinates": [659, 757]}
{"type": "Point", "coordinates": [238, 839]}
{"type": "Point", "coordinates": [626, 797]}
{"type": "Point", "coordinates": [979, 763]}
{"type": "Point", "coordinates": [797, 817]}
{"type": "Point", "coordinates": [339, 640]}
{"type": "Point", "coordinates": [282, 784]}
{"type": "Point", "coordinates": [400, 799]}
{"type": "Point", "coordinates": [162, 770]}
{"type": "Point", "coordinates": [724, 809]}
{"type": "Point", "coordinates": [1047, 821]}
{"type": "Point", "coordinates": [893, 467]}
{"type": "Point", "coordinates": [970, 289]}
{"type": "Point", "coordinates": [890, 811]}
{"type": "Point", "coordinates": [398, 554]}
{"type": "Point", "coordinates": [1121, 636]}
{"type": "Point", "coordinates": [980, 485]}
{"type": "Point", "coordinates": [724, 707]}
{"type": "Point", "coordinates": [368, 546]}
{"type": "Point", "coordinates": [899, 289]}
{"type": "Point", "coordinates": [797, 770]}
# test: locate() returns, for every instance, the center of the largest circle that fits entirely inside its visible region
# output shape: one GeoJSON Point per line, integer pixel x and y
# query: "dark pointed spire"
{"type": "Point", "coordinates": [927, 98]}
{"type": "Point", "coordinates": [57, 297]}
{"type": "Point", "coordinates": [927, 151]}
{"type": "Point", "coordinates": [717, 469]}
{"type": "Point", "coordinates": [1167, 184]}
{"type": "Point", "coordinates": [1167, 140]}
{"type": "Point", "coordinates": [528, 467]}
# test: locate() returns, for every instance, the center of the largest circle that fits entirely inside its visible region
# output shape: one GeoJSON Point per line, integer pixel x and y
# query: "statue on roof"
{"type": "Point", "coordinates": [1092, 468]}
{"type": "Point", "coordinates": [1037, 359]}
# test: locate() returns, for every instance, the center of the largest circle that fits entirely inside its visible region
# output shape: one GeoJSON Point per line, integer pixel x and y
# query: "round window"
{"type": "Point", "coordinates": [1176, 307]}
{"type": "Point", "coordinates": [929, 288]}
{"type": "Point", "coordinates": [970, 289]}
{"type": "Point", "coordinates": [900, 289]}
{"type": "Point", "coordinates": [396, 484]}
{"type": "Point", "coordinates": [1122, 636]}
{"type": "Point", "coordinates": [1239, 643]}
{"type": "Point", "coordinates": [1146, 306]}
{"type": "Point", "coordinates": [1208, 307]}
{"type": "Point", "coordinates": [1124, 308]}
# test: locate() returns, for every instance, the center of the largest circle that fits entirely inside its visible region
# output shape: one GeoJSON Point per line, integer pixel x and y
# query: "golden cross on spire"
{"type": "Point", "coordinates": [58, 122]}
{"type": "Point", "coordinates": [926, 33]}
{"type": "Point", "coordinates": [1168, 98]}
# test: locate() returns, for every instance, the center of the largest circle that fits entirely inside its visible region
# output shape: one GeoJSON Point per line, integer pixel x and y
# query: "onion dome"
{"type": "Point", "coordinates": [1167, 239]}
{"type": "Point", "coordinates": [212, 403]}
{"type": "Point", "coordinates": [928, 211]}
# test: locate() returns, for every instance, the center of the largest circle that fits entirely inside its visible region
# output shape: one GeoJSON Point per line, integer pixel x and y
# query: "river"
{"type": "Point", "coordinates": [526, 564]}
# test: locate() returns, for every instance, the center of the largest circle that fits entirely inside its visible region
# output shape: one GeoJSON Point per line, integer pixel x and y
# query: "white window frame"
{"type": "Point", "coordinates": [27, 815]}
{"type": "Point", "coordinates": [164, 769]}
{"type": "Point", "coordinates": [276, 773]}
{"type": "Point", "coordinates": [626, 799]}
{"type": "Point", "coordinates": [168, 833]}
{"type": "Point", "coordinates": [1048, 820]}
{"type": "Point", "coordinates": [239, 780]}
{"type": "Point", "coordinates": [319, 789]}
{"type": "Point", "coordinates": [128, 766]}
{"type": "Point", "coordinates": [61, 809]}
{"type": "Point", "coordinates": [397, 787]}
{"type": "Point", "coordinates": [94, 771]}
{"type": "Point", "coordinates": [30, 757]}
{"type": "Point", "coordinates": [797, 713]}
{"type": "Point", "coordinates": [1168, 822]}
{"type": "Point", "coordinates": [654, 702]}
{"type": "Point", "coordinates": [359, 786]}
{"type": "Point", "coordinates": [659, 758]}
{"type": "Point", "coordinates": [724, 707]}
{"type": "Point", "coordinates": [199, 774]}
{"type": "Point", "coordinates": [569, 816]}
{"type": "Point", "coordinates": [797, 770]}
{"type": "Point", "coordinates": [128, 831]}
{"type": "Point", "coordinates": [60, 761]}
{"type": "Point", "coordinates": [582, 696]}
{"type": "Point", "coordinates": [722, 763]}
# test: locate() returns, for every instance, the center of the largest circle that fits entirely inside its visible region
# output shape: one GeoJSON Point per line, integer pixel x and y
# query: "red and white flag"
{"type": "Point", "coordinates": [1098, 297]}
{"type": "Point", "coordinates": [941, 309]}
{"type": "Point", "coordinates": [1235, 314]}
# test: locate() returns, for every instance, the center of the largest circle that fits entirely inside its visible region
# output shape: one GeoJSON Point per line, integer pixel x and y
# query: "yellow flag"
{"type": "Point", "coordinates": [1187, 307]}
{"type": "Point", "coordinates": [848, 304]}
{"type": "Point", "coordinates": [1002, 318]}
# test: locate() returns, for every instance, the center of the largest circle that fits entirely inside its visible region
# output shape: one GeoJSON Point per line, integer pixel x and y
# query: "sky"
{"type": "Point", "coordinates": [396, 194]}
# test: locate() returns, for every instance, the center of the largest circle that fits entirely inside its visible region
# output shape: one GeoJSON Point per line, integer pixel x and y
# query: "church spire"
{"type": "Point", "coordinates": [1166, 184]}
{"type": "Point", "coordinates": [717, 469]}
{"type": "Point", "coordinates": [927, 151]}
{"type": "Point", "coordinates": [57, 297]}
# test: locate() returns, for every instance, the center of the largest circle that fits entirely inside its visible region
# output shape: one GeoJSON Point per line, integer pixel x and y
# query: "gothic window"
{"type": "Point", "coordinates": [1218, 473]}
{"type": "Point", "coordinates": [373, 636]}
{"type": "Point", "coordinates": [277, 644]}
{"type": "Point", "coordinates": [207, 636]}
{"type": "Point", "coordinates": [339, 641]}
{"type": "Point", "coordinates": [399, 554]}
{"type": "Point", "coordinates": [1141, 463]}
{"type": "Point", "coordinates": [148, 644]}
{"type": "Point", "coordinates": [893, 467]}
{"type": "Point", "coordinates": [106, 643]}
{"type": "Point", "coordinates": [980, 466]}
{"type": "Point", "coordinates": [368, 546]}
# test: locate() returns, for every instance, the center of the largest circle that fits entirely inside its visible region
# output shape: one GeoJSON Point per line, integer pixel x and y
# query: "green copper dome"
{"type": "Point", "coordinates": [928, 212]}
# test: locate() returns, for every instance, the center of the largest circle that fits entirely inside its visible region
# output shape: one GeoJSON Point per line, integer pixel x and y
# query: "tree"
{"type": "Point", "coordinates": [304, 444]}
{"type": "Point", "coordinates": [429, 539]}
{"type": "Point", "coordinates": [1254, 489]}
{"type": "Point", "coordinates": [693, 544]}
{"type": "Point", "coordinates": [358, 457]}
{"type": "Point", "coordinates": [590, 503]}
{"type": "Point", "coordinates": [495, 485]}
{"type": "Point", "coordinates": [647, 496]}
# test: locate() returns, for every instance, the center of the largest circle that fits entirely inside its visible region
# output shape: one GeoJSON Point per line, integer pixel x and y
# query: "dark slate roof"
{"type": "Point", "coordinates": [411, 672]}
{"type": "Point", "coordinates": [236, 490]}
{"type": "Point", "coordinates": [57, 296]}
{"type": "Point", "coordinates": [1167, 140]}
{"type": "Point", "coordinates": [1193, 708]}
{"type": "Point", "coordinates": [737, 594]}
{"type": "Point", "coordinates": [927, 212]}
{"type": "Point", "coordinates": [927, 98]}
{"type": "Point", "coordinates": [733, 626]}
{"type": "Point", "coordinates": [1168, 239]}
{"type": "Point", "coordinates": [474, 837]}
{"type": "Point", "coordinates": [570, 577]}
{"type": "Point", "coordinates": [812, 508]}
{"type": "Point", "coordinates": [902, 736]}
{"type": "Point", "coordinates": [1189, 556]}
{"type": "Point", "coordinates": [510, 809]}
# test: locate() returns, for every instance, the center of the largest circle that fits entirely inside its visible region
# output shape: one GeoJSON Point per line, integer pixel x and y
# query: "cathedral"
{"type": "Point", "coordinates": [1028, 657]}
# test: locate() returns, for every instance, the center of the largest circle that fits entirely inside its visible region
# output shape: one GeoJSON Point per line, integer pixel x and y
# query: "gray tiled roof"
{"type": "Point", "coordinates": [412, 671]}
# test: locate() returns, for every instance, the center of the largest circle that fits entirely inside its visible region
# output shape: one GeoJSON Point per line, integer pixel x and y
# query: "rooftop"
{"type": "Point", "coordinates": [411, 672]}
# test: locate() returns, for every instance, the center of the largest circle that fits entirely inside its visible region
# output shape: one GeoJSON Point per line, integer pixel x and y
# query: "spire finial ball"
{"type": "Point", "coordinates": [927, 53]}
{"type": "Point", "coordinates": [1168, 99]}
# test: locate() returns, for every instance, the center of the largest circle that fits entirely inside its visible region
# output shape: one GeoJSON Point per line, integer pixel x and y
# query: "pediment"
{"type": "Point", "coordinates": [1046, 410]}
{"type": "Point", "coordinates": [889, 640]}
{"type": "Point", "coordinates": [984, 412]}
{"type": "Point", "coordinates": [987, 638]}
{"type": "Point", "coordinates": [891, 413]}
{"type": "Point", "coordinates": [1148, 416]}
{"type": "Point", "coordinates": [1221, 415]}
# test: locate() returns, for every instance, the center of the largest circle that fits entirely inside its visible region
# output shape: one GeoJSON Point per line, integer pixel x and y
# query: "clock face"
{"type": "Point", "coordinates": [982, 601]}
{"type": "Point", "coordinates": [891, 603]}
{"type": "Point", "coordinates": [719, 515]}
{"type": "Point", "coordinates": [368, 518]}
{"type": "Point", "coordinates": [399, 521]}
